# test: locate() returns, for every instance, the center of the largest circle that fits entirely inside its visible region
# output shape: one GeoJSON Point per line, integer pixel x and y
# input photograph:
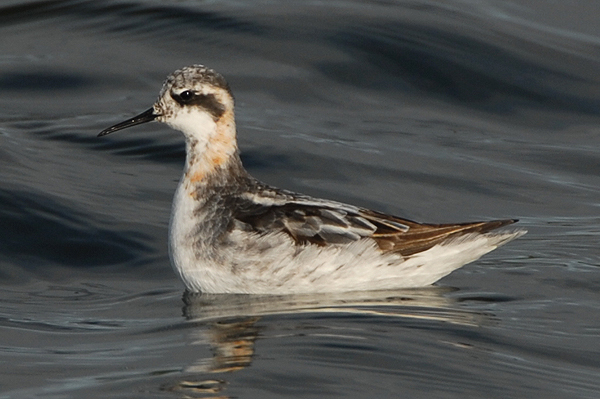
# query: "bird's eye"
{"type": "Point", "coordinates": [186, 95]}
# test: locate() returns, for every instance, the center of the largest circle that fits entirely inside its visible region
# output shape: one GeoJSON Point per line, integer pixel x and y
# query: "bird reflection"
{"type": "Point", "coordinates": [228, 324]}
{"type": "Point", "coordinates": [232, 344]}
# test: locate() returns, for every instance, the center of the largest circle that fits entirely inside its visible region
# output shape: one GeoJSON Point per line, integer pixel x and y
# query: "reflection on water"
{"type": "Point", "coordinates": [232, 343]}
{"type": "Point", "coordinates": [429, 303]}
{"type": "Point", "coordinates": [228, 323]}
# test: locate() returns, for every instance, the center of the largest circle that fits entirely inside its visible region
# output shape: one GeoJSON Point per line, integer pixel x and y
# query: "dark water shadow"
{"type": "Point", "coordinates": [129, 17]}
{"type": "Point", "coordinates": [457, 68]}
{"type": "Point", "coordinates": [39, 81]}
{"type": "Point", "coordinates": [39, 230]}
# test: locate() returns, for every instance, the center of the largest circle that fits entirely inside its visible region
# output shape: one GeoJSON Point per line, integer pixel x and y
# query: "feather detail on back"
{"type": "Point", "coordinates": [322, 222]}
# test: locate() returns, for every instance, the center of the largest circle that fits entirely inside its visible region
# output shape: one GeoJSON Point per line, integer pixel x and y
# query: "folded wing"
{"type": "Point", "coordinates": [308, 220]}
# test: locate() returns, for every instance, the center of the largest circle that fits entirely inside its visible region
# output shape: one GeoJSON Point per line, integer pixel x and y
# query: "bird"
{"type": "Point", "coordinates": [231, 233]}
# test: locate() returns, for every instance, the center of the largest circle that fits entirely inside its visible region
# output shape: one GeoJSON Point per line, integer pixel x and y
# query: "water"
{"type": "Point", "coordinates": [439, 111]}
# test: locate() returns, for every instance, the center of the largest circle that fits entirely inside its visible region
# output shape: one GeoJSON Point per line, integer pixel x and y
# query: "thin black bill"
{"type": "Point", "coordinates": [146, 116]}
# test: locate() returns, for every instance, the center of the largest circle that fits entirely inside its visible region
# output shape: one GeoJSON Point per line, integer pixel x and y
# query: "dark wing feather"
{"type": "Point", "coordinates": [420, 236]}
{"type": "Point", "coordinates": [306, 223]}
{"type": "Point", "coordinates": [308, 220]}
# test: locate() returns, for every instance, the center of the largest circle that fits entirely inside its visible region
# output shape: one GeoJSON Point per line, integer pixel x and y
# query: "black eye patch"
{"type": "Point", "coordinates": [206, 101]}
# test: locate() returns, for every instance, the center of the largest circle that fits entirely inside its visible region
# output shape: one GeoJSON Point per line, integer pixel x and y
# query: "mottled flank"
{"type": "Point", "coordinates": [231, 233]}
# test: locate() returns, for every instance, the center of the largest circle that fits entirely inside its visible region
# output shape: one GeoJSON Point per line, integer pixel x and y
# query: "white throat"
{"type": "Point", "coordinates": [197, 126]}
{"type": "Point", "coordinates": [210, 144]}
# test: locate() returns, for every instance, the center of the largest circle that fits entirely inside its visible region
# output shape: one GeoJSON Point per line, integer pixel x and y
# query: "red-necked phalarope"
{"type": "Point", "coordinates": [230, 233]}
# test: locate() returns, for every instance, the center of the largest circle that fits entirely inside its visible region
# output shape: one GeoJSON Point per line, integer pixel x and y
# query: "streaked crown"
{"type": "Point", "coordinates": [191, 88]}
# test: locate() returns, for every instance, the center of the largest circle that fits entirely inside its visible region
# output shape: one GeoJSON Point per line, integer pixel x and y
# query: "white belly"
{"type": "Point", "coordinates": [245, 262]}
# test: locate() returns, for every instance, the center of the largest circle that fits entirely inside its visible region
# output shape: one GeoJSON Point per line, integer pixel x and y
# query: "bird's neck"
{"type": "Point", "coordinates": [213, 160]}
